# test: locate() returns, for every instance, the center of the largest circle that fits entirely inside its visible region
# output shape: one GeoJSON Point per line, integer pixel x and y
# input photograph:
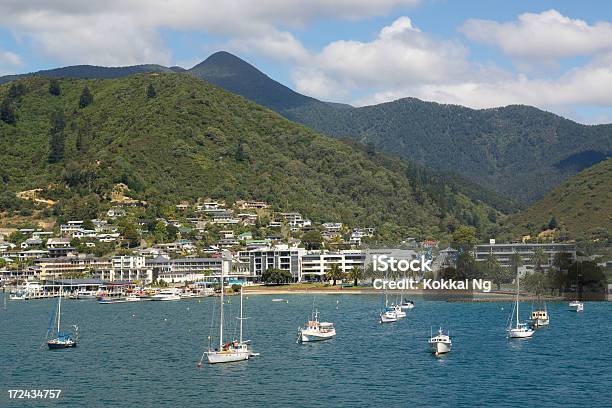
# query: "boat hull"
{"type": "Point", "coordinates": [388, 317]}
{"type": "Point", "coordinates": [166, 298]}
{"type": "Point", "coordinates": [54, 345]}
{"type": "Point", "coordinates": [439, 347]}
{"type": "Point", "coordinates": [217, 357]}
{"type": "Point", "coordinates": [520, 334]}
{"type": "Point", "coordinates": [309, 337]}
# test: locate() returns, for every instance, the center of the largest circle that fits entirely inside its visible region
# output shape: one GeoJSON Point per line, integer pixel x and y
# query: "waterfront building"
{"type": "Point", "coordinates": [188, 269]}
{"type": "Point", "coordinates": [275, 257]}
{"type": "Point", "coordinates": [58, 267]}
{"type": "Point", "coordinates": [315, 264]}
{"type": "Point", "coordinates": [503, 252]}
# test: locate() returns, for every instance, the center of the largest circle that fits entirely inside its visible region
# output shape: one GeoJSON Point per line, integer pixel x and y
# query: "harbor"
{"type": "Point", "coordinates": [161, 343]}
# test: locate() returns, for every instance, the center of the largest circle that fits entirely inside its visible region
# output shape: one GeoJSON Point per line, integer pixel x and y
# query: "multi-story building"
{"type": "Point", "coordinates": [129, 268]}
{"type": "Point", "coordinates": [276, 257]}
{"type": "Point", "coordinates": [503, 252]}
{"type": "Point", "coordinates": [58, 267]}
{"type": "Point", "coordinates": [189, 269]}
{"type": "Point", "coordinates": [315, 264]}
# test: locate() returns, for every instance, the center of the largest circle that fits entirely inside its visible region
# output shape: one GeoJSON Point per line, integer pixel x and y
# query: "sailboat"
{"type": "Point", "coordinates": [520, 330]}
{"type": "Point", "coordinates": [236, 350]}
{"type": "Point", "coordinates": [390, 314]}
{"type": "Point", "coordinates": [577, 305]}
{"type": "Point", "coordinates": [61, 340]}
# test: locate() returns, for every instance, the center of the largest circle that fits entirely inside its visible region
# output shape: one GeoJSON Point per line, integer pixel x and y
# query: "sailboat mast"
{"type": "Point", "coordinates": [59, 310]}
{"type": "Point", "coordinates": [221, 315]}
{"type": "Point", "coordinates": [241, 314]}
{"type": "Point", "coordinates": [517, 298]}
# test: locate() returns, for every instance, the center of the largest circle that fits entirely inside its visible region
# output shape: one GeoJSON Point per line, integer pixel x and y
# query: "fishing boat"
{"type": "Point", "coordinates": [231, 351]}
{"type": "Point", "coordinates": [518, 330]}
{"type": "Point", "coordinates": [167, 294]}
{"type": "Point", "coordinates": [539, 316]}
{"type": "Point", "coordinates": [314, 330]}
{"type": "Point", "coordinates": [59, 339]}
{"type": "Point", "coordinates": [440, 343]}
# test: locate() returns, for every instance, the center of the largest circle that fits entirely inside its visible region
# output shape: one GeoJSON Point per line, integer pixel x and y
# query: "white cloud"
{"type": "Point", "coordinates": [120, 32]}
{"type": "Point", "coordinates": [400, 55]}
{"type": "Point", "coordinates": [9, 61]}
{"type": "Point", "coordinates": [545, 36]}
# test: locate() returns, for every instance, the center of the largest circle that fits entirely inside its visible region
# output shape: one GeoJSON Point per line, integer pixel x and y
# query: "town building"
{"type": "Point", "coordinates": [503, 252]}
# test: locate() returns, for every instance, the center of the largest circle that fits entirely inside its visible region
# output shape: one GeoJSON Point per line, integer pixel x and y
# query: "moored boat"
{"type": "Point", "coordinates": [61, 340]}
{"type": "Point", "coordinates": [314, 330]}
{"type": "Point", "coordinates": [440, 343]}
{"type": "Point", "coordinates": [167, 294]}
{"type": "Point", "coordinates": [518, 330]}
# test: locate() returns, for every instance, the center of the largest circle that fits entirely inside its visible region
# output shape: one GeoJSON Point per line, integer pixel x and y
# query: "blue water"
{"type": "Point", "coordinates": [145, 354]}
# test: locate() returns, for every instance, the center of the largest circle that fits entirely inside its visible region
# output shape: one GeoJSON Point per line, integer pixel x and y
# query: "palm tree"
{"type": "Point", "coordinates": [335, 273]}
{"type": "Point", "coordinates": [355, 274]}
{"type": "Point", "coordinates": [515, 262]}
{"type": "Point", "coordinates": [538, 259]}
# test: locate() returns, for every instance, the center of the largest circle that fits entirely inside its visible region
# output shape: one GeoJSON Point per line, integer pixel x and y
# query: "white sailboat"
{"type": "Point", "coordinates": [440, 343]}
{"type": "Point", "coordinates": [236, 350]}
{"type": "Point", "coordinates": [519, 330]}
{"type": "Point", "coordinates": [391, 314]}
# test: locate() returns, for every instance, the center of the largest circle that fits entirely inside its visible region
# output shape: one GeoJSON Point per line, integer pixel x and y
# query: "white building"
{"type": "Point", "coordinates": [315, 264]}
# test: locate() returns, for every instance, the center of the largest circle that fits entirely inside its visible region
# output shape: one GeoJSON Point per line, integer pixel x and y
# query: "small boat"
{"type": "Point", "coordinates": [407, 304]}
{"type": "Point", "coordinates": [539, 317]}
{"type": "Point", "coordinates": [314, 330]}
{"type": "Point", "coordinates": [61, 340]}
{"type": "Point", "coordinates": [576, 306]}
{"type": "Point", "coordinates": [518, 330]}
{"type": "Point", "coordinates": [231, 351]}
{"type": "Point", "coordinates": [280, 300]}
{"type": "Point", "coordinates": [388, 316]}
{"type": "Point", "coordinates": [398, 311]}
{"type": "Point", "coordinates": [167, 294]}
{"type": "Point", "coordinates": [86, 294]}
{"type": "Point", "coordinates": [441, 343]}
{"type": "Point", "coordinates": [132, 297]}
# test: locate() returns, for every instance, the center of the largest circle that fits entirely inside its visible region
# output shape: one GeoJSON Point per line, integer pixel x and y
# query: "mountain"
{"type": "Point", "coordinates": [518, 151]}
{"type": "Point", "coordinates": [172, 136]}
{"type": "Point", "coordinates": [93, 72]}
{"type": "Point", "coordinates": [581, 207]}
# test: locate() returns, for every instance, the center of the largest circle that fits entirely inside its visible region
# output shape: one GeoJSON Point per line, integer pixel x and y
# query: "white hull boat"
{"type": "Point", "coordinates": [388, 317]}
{"type": "Point", "coordinates": [521, 332]}
{"type": "Point", "coordinates": [516, 329]}
{"type": "Point", "coordinates": [440, 344]}
{"type": "Point", "coordinates": [576, 306]}
{"type": "Point", "coordinates": [315, 330]}
{"type": "Point", "coordinates": [407, 305]}
{"type": "Point", "coordinates": [166, 295]}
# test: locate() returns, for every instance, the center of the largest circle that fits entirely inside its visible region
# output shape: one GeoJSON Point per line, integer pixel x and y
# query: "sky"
{"type": "Point", "coordinates": [556, 55]}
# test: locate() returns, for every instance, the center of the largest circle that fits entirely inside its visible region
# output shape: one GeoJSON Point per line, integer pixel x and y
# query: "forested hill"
{"type": "Point", "coordinates": [172, 136]}
{"type": "Point", "coordinates": [579, 208]}
{"type": "Point", "coordinates": [519, 151]}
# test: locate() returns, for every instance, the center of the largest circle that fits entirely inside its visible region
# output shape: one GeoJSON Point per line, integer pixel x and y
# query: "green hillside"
{"type": "Point", "coordinates": [190, 139]}
{"type": "Point", "coordinates": [581, 207]}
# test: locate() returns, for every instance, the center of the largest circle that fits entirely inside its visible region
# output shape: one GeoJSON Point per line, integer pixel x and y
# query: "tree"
{"type": "Point", "coordinates": [86, 98]}
{"type": "Point", "coordinates": [16, 91]}
{"type": "Point", "coordinates": [312, 239]}
{"type": "Point", "coordinates": [56, 143]}
{"type": "Point", "coordinates": [464, 238]}
{"type": "Point", "coordinates": [7, 112]}
{"type": "Point", "coordinates": [535, 282]}
{"type": "Point", "coordinates": [515, 263]}
{"type": "Point", "coordinates": [495, 272]}
{"type": "Point", "coordinates": [151, 91]}
{"type": "Point", "coordinates": [538, 259]}
{"type": "Point", "coordinates": [552, 224]}
{"type": "Point", "coordinates": [129, 233]}
{"type": "Point", "coordinates": [54, 87]}
{"type": "Point", "coordinates": [355, 274]}
{"type": "Point", "coordinates": [276, 276]}
{"type": "Point", "coordinates": [335, 273]}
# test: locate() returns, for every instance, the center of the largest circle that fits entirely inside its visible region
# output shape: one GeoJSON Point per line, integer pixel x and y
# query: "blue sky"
{"type": "Point", "coordinates": [556, 55]}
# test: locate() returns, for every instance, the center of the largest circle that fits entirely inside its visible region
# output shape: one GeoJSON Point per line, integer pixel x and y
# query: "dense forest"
{"type": "Point", "coordinates": [171, 136]}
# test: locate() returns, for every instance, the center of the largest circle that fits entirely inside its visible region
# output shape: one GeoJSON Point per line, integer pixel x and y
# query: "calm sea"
{"type": "Point", "coordinates": [145, 355]}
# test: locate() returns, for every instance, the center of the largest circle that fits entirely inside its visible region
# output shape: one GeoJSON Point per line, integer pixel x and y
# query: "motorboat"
{"type": "Point", "coordinates": [315, 330]}
{"type": "Point", "coordinates": [440, 343]}
{"type": "Point", "coordinates": [167, 294]}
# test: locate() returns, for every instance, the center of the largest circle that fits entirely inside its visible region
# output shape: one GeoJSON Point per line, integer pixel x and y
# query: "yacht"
{"type": "Point", "coordinates": [518, 330]}
{"type": "Point", "coordinates": [86, 294]}
{"type": "Point", "coordinates": [231, 351]}
{"type": "Point", "coordinates": [26, 292]}
{"type": "Point", "coordinates": [314, 330]}
{"type": "Point", "coordinates": [441, 343]}
{"type": "Point", "coordinates": [388, 316]}
{"type": "Point", "coordinates": [398, 311]}
{"type": "Point", "coordinates": [167, 294]}
{"type": "Point", "coordinates": [61, 340]}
